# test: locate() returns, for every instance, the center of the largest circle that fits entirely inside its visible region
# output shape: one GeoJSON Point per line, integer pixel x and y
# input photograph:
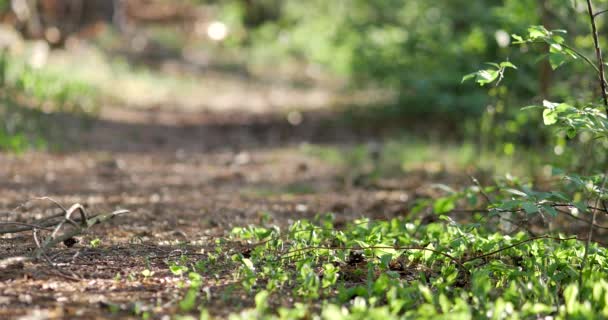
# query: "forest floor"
{"type": "Point", "coordinates": [188, 177]}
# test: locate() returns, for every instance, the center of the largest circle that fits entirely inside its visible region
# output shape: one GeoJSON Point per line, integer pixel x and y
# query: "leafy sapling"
{"type": "Point", "coordinates": [572, 119]}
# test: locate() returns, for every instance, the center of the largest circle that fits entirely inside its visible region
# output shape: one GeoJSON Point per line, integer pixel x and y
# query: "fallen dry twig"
{"type": "Point", "coordinates": [80, 226]}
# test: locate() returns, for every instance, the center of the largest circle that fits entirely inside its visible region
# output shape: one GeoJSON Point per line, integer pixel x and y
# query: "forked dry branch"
{"type": "Point", "coordinates": [80, 226]}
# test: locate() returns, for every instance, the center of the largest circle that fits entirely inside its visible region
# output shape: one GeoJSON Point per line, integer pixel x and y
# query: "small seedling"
{"type": "Point", "coordinates": [95, 243]}
{"type": "Point", "coordinates": [147, 273]}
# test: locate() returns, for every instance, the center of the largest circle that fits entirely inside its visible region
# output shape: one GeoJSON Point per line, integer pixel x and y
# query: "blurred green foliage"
{"type": "Point", "coordinates": [28, 97]}
{"type": "Point", "coordinates": [420, 50]}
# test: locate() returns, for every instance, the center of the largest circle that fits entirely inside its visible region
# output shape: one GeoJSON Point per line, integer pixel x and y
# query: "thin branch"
{"type": "Point", "coordinates": [39, 246]}
{"type": "Point", "coordinates": [483, 193]}
{"type": "Point", "coordinates": [581, 55]}
{"type": "Point", "coordinates": [290, 254]}
{"type": "Point", "coordinates": [602, 79]}
{"type": "Point", "coordinates": [29, 226]}
{"type": "Point", "coordinates": [576, 52]}
{"type": "Point", "coordinates": [59, 271]}
{"type": "Point", "coordinates": [43, 223]}
{"type": "Point", "coordinates": [581, 219]}
{"type": "Point", "coordinates": [517, 244]}
{"type": "Point", "coordinates": [598, 54]}
{"type": "Point", "coordinates": [599, 13]}
{"type": "Point", "coordinates": [457, 262]}
{"type": "Point", "coordinates": [55, 202]}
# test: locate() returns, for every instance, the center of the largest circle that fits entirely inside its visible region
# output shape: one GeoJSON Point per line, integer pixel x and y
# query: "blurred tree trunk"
{"type": "Point", "coordinates": [120, 16]}
{"type": "Point", "coordinates": [28, 18]}
{"type": "Point", "coordinates": [257, 12]}
{"type": "Point", "coordinates": [55, 20]}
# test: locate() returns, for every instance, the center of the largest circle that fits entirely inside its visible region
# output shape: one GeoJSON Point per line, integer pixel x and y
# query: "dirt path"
{"type": "Point", "coordinates": [187, 179]}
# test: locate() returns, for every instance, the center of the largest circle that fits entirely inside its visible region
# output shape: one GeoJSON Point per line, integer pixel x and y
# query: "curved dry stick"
{"type": "Point", "coordinates": [85, 225]}
{"type": "Point", "coordinates": [60, 272]}
{"type": "Point", "coordinates": [68, 218]}
{"type": "Point", "coordinates": [27, 226]}
{"type": "Point", "coordinates": [41, 223]}
{"type": "Point", "coordinates": [55, 202]}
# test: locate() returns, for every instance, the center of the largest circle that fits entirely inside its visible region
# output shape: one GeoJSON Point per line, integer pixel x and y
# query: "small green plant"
{"type": "Point", "coordinates": [189, 302]}
{"type": "Point", "coordinates": [399, 268]}
{"type": "Point", "coordinates": [178, 270]}
{"type": "Point", "coordinates": [147, 273]}
{"type": "Point", "coordinates": [132, 276]}
{"type": "Point", "coordinates": [95, 243]}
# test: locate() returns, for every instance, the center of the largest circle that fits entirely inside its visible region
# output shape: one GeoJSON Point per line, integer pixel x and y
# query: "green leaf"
{"type": "Point", "coordinates": [509, 204]}
{"type": "Point", "coordinates": [531, 107]}
{"type": "Point", "coordinates": [529, 207]}
{"type": "Point", "coordinates": [550, 105]}
{"type": "Point", "coordinates": [189, 301]}
{"type": "Point", "coordinates": [517, 38]}
{"type": "Point", "coordinates": [443, 205]}
{"type": "Point", "coordinates": [147, 273]}
{"type": "Point", "coordinates": [507, 64]}
{"type": "Point", "coordinates": [178, 270]}
{"type": "Point", "coordinates": [444, 187]}
{"type": "Point", "coordinates": [261, 301]}
{"type": "Point", "coordinates": [557, 38]}
{"type": "Point", "coordinates": [248, 264]}
{"type": "Point", "coordinates": [581, 206]}
{"type": "Point", "coordinates": [557, 194]}
{"type": "Point", "coordinates": [196, 280]}
{"type": "Point", "coordinates": [549, 117]}
{"type": "Point", "coordinates": [571, 297]}
{"type": "Point", "coordinates": [386, 259]}
{"type": "Point", "coordinates": [469, 76]}
{"type": "Point", "coordinates": [549, 209]}
{"type": "Point", "coordinates": [426, 293]}
{"type": "Point", "coordinates": [535, 308]}
{"type": "Point", "coordinates": [535, 32]}
{"type": "Point", "coordinates": [486, 76]}
{"type": "Point", "coordinates": [556, 47]}
{"type": "Point", "coordinates": [516, 192]}
{"type": "Point", "coordinates": [571, 132]}
{"type": "Point", "coordinates": [95, 243]}
{"type": "Point", "coordinates": [556, 58]}
{"type": "Point", "coordinates": [384, 251]}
